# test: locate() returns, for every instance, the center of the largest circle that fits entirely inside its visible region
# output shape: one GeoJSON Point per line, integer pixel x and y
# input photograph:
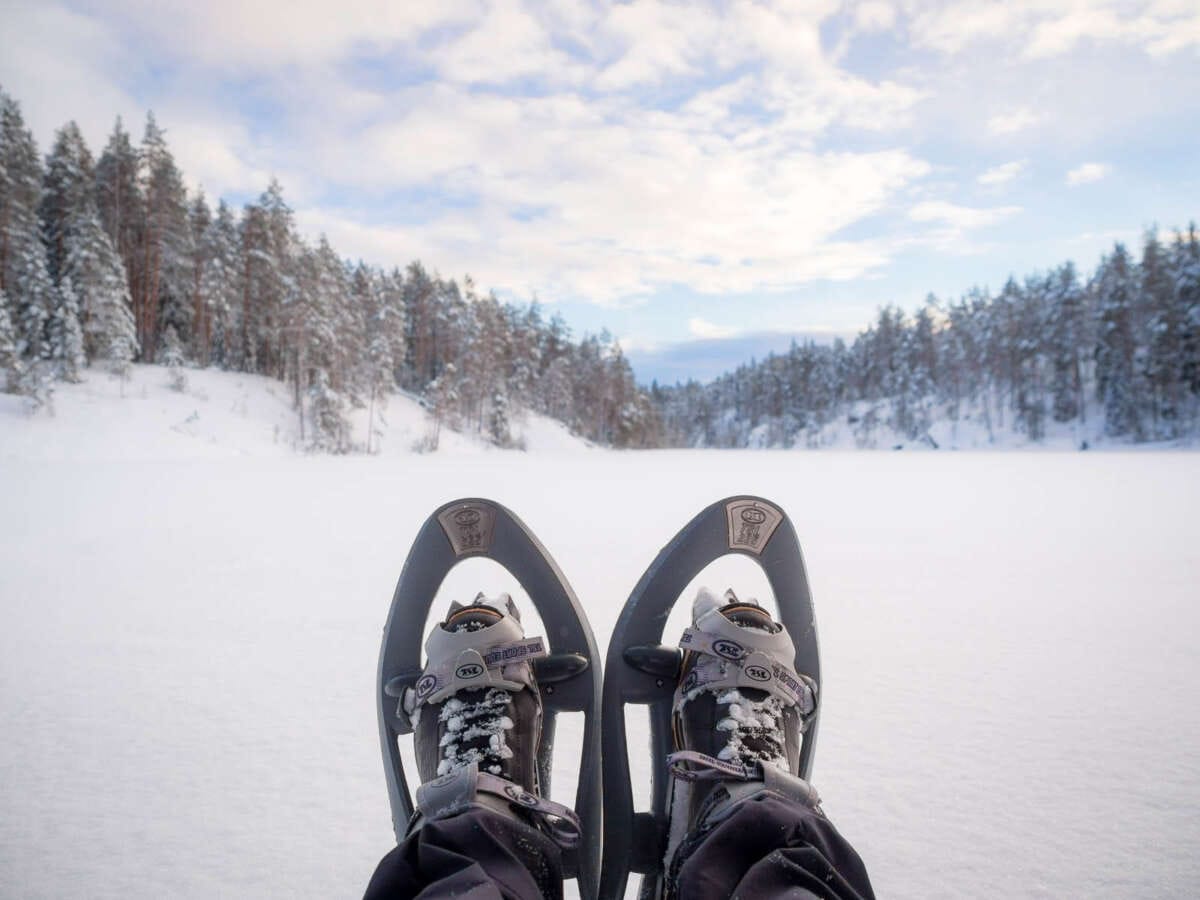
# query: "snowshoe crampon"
{"type": "Point", "coordinates": [641, 670]}
{"type": "Point", "coordinates": [569, 677]}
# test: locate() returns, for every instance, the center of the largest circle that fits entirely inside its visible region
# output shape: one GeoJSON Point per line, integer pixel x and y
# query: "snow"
{"type": "Point", "coordinates": [189, 627]}
{"type": "Point", "coordinates": [218, 415]}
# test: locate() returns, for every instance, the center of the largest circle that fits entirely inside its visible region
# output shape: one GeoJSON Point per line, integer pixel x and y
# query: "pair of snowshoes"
{"type": "Point", "coordinates": [604, 838]}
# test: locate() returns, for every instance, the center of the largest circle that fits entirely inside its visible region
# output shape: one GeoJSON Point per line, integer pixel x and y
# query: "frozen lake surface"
{"type": "Point", "coordinates": [188, 652]}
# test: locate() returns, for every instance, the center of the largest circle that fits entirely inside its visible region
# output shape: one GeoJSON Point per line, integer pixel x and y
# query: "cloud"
{"type": "Point", "coordinates": [702, 329]}
{"type": "Point", "coordinates": [1012, 121]}
{"type": "Point", "coordinates": [1001, 174]}
{"type": "Point", "coordinates": [874, 15]}
{"type": "Point", "coordinates": [960, 217]}
{"type": "Point", "coordinates": [1051, 28]}
{"type": "Point", "coordinates": [1088, 173]}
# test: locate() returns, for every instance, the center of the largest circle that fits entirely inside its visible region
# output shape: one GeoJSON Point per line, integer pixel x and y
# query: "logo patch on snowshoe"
{"type": "Point", "coordinates": [728, 649]}
{"type": "Point", "coordinates": [469, 671]}
{"type": "Point", "coordinates": [469, 527]}
{"type": "Point", "coordinates": [751, 524]}
{"type": "Point", "coordinates": [518, 795]}
{"type": "Point", "coordinates": [758, 673]}
{"type": "Point", "coordinates": [753, 516]}
{"type": "Point", "coordinates": [425, 686]}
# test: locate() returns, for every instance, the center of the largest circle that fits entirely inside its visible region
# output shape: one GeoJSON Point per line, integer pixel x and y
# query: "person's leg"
{"type": "Point", "coordinates": [478, 854]}
{"type": "Point", "coordinates": [481, 829]}
{"type": "Point", "coordinates": [770, 846]}
{"type": "Point", "coordinates": [754, 828]}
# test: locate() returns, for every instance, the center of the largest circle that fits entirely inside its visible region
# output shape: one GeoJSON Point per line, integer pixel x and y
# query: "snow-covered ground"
{"type": "Point", "coordinates": [188, 650]}
{"type": "Point", "coordinates": [217, 415]}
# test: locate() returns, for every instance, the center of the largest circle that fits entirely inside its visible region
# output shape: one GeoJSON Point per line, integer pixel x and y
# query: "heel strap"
{"type": "Point", "coordinates": [460, 790]}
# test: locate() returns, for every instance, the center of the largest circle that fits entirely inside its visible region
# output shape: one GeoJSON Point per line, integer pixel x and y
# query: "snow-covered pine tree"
{"type": "Point", "coordinates": [121, 208]}
{"type": "Point", "coordinates": [67, 194]}
{"type": "Point", "coordinates": [10, 359]}
{"type": "Point", "coordinates": [1065, 344]}
{"type": "Point", "coordinates": [66, 335]}
{"type": "Point", "coordinates": [268, 255]}
{"type": "Point", "coordinates": [1117, 385]}
{"type": "Point", "coordinates": [222, 291]}
{"type": "Point", "coordinates": [199, 225]}
{"type": "Point", "coordinates": [170, 354]}
{"type": "Point", "coordinates": [167, 297]}
{"type": "Point", "coordinates": [1186, 267]}
{"type": "Point", "coordinates": [23, 275]}
{"type": "Point", "coordinates": [97, 277]}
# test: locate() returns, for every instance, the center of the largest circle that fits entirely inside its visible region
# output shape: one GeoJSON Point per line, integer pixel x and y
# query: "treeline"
{"type": "Point", "coordinates": [1120, 351]}
{"type": "Point", "coordinates": [110, 261]}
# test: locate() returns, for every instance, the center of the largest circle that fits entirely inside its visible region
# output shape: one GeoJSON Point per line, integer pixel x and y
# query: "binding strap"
{"type": "Point", "coordinates": [690, 765]}
{"type": "Point", "coordinates": [459, 791]}
{"type": "Point", "coordinates": [746, 667]}
{"type": "Point", "coordinates": [472, 670]}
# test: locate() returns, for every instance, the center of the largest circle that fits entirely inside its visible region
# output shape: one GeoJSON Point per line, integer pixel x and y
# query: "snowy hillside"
{"type": "Point", "coordinates": [218, 414]}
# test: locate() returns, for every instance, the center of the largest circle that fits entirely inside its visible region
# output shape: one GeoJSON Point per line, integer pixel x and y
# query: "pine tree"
{"type": "Point", "coordinates": [67, 194]}
{"type": "Point", "coordinates": [170, 354]}
{"type": "Point", "coordinates": [121, 208]}
{"type": "Point", "coordinates": [222, 292]}
{"type": "Point", "coordinates": [97, 277]}
{"type": "Point", "coordinates": [167, 281]}
{"type": "Point", "coordinates": [23, 275]}
{"type": "Point", "coordinates": [1116, 378]}
{"type": "Point", "coordinates": [66, 335]}
{"type": "Point", "coordinates": [10, 359]}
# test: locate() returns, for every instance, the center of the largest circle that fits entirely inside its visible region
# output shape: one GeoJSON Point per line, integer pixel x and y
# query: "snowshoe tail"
{"type": "Point", "coordinates": [641, 670]}
{"type": "Point", "coordinates": [570, 677]}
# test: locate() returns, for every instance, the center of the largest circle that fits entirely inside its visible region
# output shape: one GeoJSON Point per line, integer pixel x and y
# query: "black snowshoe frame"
{"type": "Point", "coordinates": [640, 670]}
{"type": "Point", "coordinates": [570, 677]}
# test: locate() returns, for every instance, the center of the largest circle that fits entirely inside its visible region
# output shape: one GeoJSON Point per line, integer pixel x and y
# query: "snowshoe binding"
{"type": "Point", "coordinates": [733, 708]}
{"type": "Point", "coordinates": [482, 706]}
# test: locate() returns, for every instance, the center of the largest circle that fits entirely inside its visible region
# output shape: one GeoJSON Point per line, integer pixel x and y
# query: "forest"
{"type": "Point", "coordinates": [110, 260]}
{"type": "Point", "coordinates": [1120, 349]}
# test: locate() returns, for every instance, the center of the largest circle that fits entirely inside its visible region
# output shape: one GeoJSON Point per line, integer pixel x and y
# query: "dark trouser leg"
{"type": "Point", "coordinates": [476, 855]}
{"type": "Point", "coordinates": [770, 847]}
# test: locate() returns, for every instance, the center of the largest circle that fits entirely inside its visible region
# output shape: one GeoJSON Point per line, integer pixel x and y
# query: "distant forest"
{"type": "Point", "coordinates": [110, 261]}
{"type": "Point", "coordinates": [1120, 350]}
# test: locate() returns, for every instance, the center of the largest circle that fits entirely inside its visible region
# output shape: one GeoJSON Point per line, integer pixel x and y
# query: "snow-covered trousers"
{"type": "Point", "coordinates": [768, 847]}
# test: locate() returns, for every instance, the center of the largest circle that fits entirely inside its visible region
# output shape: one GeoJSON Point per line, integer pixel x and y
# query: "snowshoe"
{"type": "Point", "coordinates": [727, 706]}
{"type": "Point", "coordinates": [484, 702]}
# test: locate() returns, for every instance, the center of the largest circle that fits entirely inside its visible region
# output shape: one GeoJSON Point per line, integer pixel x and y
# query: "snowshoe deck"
{"type": "Point", "coordinates": [640, 670]}
{"type": "Point", "coordinates": [570, 677]}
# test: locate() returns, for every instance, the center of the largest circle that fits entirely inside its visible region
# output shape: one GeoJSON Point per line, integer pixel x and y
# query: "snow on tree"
{"type": "Point", "coordinates": [97, 277]}
{"type": "Point", "coordinates": [10, 359]}
{"type": "Point", "coordinates": [121, 208]}
{"type": "Point", "coordinates": [66, 335]}
{"type": "Point", "coordinates": [1116, 377]}
{"type": "Point", "coordinates": [221, 291]}
{"type": "Point", "coordinates": [166, 299]}
{"type": "Point", "coordinates": [67, 194]}
{"type": "Point", "coordinates": [170, 354]}
{"type": "Point", "coordinates": [23, 274]}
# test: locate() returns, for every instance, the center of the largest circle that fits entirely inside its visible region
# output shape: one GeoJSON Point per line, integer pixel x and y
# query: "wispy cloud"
{"type": "Point", "coordinates": [1088, 173]}
{"type": "Point", "coordinates": [1051, 28]}
{"type": "Point", "coordinates": [1012, 121]}
{"type": "Point", "coordinates": [1001, 174]}
{"type": "Point", "coordinates": [960, 217]}
{"type": "Point", "coordinates": [702, 329]}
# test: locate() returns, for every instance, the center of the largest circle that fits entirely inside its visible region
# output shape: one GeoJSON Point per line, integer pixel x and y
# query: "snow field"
{"type": "Point", "coordinates": [188, 651]}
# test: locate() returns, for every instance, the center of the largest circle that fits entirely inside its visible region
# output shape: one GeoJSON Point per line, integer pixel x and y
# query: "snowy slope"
{"type": "Point", "coordinates": [188, 648]}
{"type": "Point", "coordinates": [219, 414]}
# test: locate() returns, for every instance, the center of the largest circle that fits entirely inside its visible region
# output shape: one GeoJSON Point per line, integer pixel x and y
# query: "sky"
{"type": "Point", "coordinates": [705, 180]}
